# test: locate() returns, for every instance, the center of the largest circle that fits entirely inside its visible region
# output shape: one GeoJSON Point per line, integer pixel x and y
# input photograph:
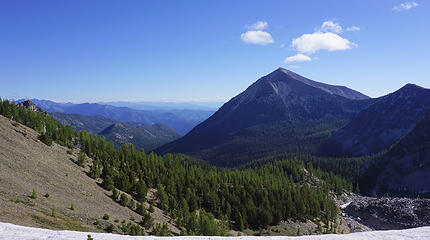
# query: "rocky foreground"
{"type": "Point", "coordinates": [389, 213]}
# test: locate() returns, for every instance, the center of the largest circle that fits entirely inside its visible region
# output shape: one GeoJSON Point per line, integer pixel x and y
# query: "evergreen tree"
{"type": "Point", "coordinates": [123, 200]}
{"type": "Point", "coordinates": [6, 109]}
{"type": "Point", "coordinates": [115, 194]}
{"type": "Point", "coordinates": [162, 197]}
{"type": "Point", "coordinates": [81, 159]}
{"type": "Point", "coordinates": [108, 183]}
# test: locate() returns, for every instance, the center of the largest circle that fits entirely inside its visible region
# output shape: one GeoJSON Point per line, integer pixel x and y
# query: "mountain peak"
{"type": "Point", "coordinates": [268, 109]}
{"type": "Point", "coordinates": [288, 72]}
{"type": "Point", "coordinates": [411, 86]}
{"type": "Point", "coordinates": [286, 76]}
{"type": "Point", "coordinates": [410, 90]}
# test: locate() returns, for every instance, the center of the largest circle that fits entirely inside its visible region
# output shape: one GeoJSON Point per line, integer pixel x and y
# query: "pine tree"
{"type": "Point", "coordinates": [141, 191]}
{"type": "Point", "coordinates": [162, 197]}
{"type": "Point", "coordinates": [123, 200]}
{"type": "Point", "coordinates": [81, 159]}
{"type": "Point", "coordinates": [108, 183]}
{"type": "Point", "coordinates": [6, 109]}
{"type": "Point", "coordinates": [1, 106]}
{"type": "Point", "coordinates": [115, 194]}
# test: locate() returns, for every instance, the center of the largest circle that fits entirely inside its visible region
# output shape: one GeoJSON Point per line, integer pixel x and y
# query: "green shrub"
{"type": "Point", "coordinates": [33, 194]}
{"type": "Point", "coordinates": [161, 230]}
{"type": "Point", "coordinates": [109, 228]}
{"type": "Point", "coordinates": [46, 139]}
{"type": "Point", "coordinates": [106, 217]}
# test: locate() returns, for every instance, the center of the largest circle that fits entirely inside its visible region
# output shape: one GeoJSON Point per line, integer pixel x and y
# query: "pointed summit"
{"type": "Point", "coordinates": [276, 107]}
{"type": "Point", "coordinates": [282, 74]}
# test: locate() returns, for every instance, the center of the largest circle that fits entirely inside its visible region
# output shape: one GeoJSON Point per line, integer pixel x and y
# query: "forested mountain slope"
{"type": "Point", "coordinates": [379, 126]}
{"type": "Point", "coordinates": [281, 112]}
{"type": "Point", "coordinates": [405, 169]}
{"type": "Point", "coordinates": [200, 199]}
{"type": "Point", "coordinates": [141, 135]}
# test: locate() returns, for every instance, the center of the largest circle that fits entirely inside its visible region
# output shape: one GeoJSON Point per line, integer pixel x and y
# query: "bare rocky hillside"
{"type": "Point", "coordinates": [27, 164]}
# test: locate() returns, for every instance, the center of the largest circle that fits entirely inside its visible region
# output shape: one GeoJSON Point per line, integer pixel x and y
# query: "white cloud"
{"type": "Point", "coordinates": [257, 37]}
{"type": "Point", "coordinates": [311, 43]}
{"type": "Point", "coordinates": [329, 26]}
{"type": "Point", "coordinates": [353, 28]}
{"type": "Point", "coordinates": [405, 6]}
{"type": "Point", "coordinates": [297, 58]}
{"type": "Point", "coordinates": [259, 25]}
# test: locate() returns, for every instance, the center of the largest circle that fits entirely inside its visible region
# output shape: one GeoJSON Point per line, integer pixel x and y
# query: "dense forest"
{"type": "Point", "coordinates": [202, 199]}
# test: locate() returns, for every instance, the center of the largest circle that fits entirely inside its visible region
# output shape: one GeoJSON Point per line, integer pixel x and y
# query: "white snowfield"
{"type": "Point", "coordinates": [14, 232]}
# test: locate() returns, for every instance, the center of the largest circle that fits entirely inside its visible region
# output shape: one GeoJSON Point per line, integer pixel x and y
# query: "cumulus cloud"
{"type": "Point", "coordinates": [259, 25]}
{"type": "Point", "coordinates": [312, 43]}
{"type": "Point", "coordinates": [405, 6]}
{"type": "Point", "coordinates": [257, 37]}
{"type": "Point", "coordinates": [297, 58]}
{"type": "Point", "coordinates": [329, 26]}
{"type": "Point", "coordinates": [353, 28]}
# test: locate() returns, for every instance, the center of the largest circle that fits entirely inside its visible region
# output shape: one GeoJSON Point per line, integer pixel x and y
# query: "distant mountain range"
{"type": "Point", "coordinates": [168, 106]}
{"type": "Point", "coordinates": [142, 136]}
{"type": "Point", "coordinates": [180, 120]}
{"type": "Point", "coordinates": [284, 112]}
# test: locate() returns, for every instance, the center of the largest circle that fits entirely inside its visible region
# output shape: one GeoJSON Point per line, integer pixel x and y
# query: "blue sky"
{"type": "Point", "coordinates": [206, 50]}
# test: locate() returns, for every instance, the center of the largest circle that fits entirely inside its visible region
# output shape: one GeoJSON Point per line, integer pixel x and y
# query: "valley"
{"type": "Point", "coordinates": [277, 159]}
{"type": "Point", "coordinates": [214, 120]}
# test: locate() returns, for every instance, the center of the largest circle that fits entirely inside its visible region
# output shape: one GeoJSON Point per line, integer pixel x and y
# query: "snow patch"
{"type": "Point", "coordinates": [14, 232]}
{"type": "Point", "coordinates": [345, 205]}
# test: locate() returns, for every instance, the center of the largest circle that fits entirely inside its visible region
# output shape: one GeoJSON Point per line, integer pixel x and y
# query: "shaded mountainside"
{"type": "Point", "coordinates": [146, 137]}
{"type": "Point", "coordinates": [141, 135]}
{"type": "Point", "coordinates": [405, 169]}
{"type": "Point", "coordinates": [179, 120]}
{"type": "Point", "coordinates": [376, 128]}
{"type": "Point", "coordinates": [280, 112]}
